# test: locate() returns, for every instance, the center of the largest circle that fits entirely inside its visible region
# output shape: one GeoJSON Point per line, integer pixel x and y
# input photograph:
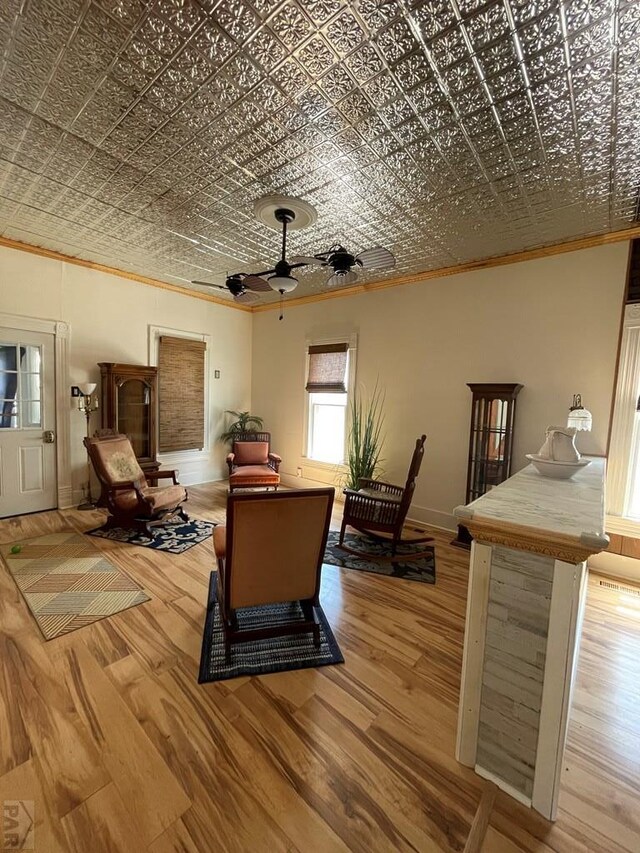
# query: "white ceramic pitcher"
{"type": "Point", "coordinates": [560, 445]}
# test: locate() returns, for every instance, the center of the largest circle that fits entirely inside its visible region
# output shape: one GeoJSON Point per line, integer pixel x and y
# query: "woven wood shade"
{"type": "Point", "coordinates": [327, 368]}
{"type": "Point", "coordinates": [181, 394]}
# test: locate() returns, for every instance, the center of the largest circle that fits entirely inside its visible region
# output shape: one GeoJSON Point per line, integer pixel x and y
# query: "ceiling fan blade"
{"type": "Point", "coordinates": [377, 258]}
{"type": "Point", "coordinates": [246, 297]}
{"type": "Point", "coordinates": [340, 278]}
{"type": "Point", "coordinates": [310, 260]}
{"type": "Point", "coordinates": [209, 284]}
{"type": "Point", "coordinates": [257, 283]}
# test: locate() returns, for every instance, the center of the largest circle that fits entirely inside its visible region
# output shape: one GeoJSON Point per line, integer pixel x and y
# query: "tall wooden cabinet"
{"type": "Point", "coordinates": [493, 412]}
{"type": "Point", "coordinates": [129, 405]}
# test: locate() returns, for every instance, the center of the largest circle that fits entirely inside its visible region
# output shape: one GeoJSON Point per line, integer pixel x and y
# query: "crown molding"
{"type": "Point", "coordinates": [365, 287]}
{"type": "Point", "coordinates": [132, 276]}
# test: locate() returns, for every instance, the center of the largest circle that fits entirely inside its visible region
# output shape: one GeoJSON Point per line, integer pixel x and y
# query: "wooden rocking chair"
{"type": "Point", "coordinates": [381, 508]}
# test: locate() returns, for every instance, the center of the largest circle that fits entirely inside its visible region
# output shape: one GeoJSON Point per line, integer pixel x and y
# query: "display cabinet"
{"type": "Point", "coordinates": [129, 403]}
{"type": "Point", "coordinates": [493, 411]}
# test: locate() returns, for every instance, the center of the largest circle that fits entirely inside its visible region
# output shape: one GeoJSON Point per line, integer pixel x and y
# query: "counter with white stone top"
{"type": "Point", "coordinates": [561, 511]}
{"type": "Point", "coordinates": [527, 584]}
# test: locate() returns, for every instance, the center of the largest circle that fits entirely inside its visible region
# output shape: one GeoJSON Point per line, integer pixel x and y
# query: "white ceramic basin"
{"type": "Point", "coordinates": [556, 470]}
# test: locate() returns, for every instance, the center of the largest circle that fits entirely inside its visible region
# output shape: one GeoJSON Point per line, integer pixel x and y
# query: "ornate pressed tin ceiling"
{"type": "Point", "coordinates": [138, 135]}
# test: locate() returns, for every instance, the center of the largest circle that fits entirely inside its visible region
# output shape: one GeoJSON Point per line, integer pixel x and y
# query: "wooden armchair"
{"type": "Point", "coordinates": [377, 507]}
{"type": "Point", "coordinates": [251, 463]}
{"type": "Point", "coordinates": [271, 550]}
{"type": "Point", "coordinates": [132, 503]}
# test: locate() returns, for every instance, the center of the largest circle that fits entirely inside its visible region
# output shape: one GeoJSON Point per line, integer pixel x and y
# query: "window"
{"type": "Point", "coordinates": [327, 382]}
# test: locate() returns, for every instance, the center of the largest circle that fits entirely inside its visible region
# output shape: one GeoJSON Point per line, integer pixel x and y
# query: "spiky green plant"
{"type": "Point", "coordinates": [244, 423]}
{"type": "Point", "coordinates": [365, 441]}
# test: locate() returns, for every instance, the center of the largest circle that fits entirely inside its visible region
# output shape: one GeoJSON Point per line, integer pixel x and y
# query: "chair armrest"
{"type": "Point", "coordinates": [123, 484]}
{"type": "Point", "coordinates": [158, 475]}
{"type": "Point", "coordinates": [274, 461]}
{"type": "Point", "coordinates": [380, 486]}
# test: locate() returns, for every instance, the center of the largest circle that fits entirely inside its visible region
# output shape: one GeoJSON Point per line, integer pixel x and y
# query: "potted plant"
{"type": "Point", "coordinates": [244, 422]}
{"type": "Point", "coordinates": [365, 440]}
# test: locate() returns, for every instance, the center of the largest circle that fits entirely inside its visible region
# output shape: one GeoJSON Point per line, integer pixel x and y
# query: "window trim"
{"type": "Point", "coordinates": [622, 425]}
{"type": "Point", "coordinates": [176, 457]}
{"type": "Point", "coordinates": [351, 340]}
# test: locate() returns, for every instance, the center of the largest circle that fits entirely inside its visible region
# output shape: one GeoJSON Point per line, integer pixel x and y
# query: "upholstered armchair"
{"type": "Point", "coordinates": [376, 507]}
{"type": "Point", "coordinates": [251, 463]}
{"type": "Point", "coordinates": [130, 500]}
{"type": "Point", "coordinates": [271, 550]}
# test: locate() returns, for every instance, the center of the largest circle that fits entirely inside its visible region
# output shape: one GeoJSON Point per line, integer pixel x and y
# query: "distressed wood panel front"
{"type": "Point", "coordinates": [515, 649]}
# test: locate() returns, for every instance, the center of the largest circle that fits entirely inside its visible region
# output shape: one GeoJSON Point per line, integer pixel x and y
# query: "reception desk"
{"type": "Point", "coordinates": [527, 589]}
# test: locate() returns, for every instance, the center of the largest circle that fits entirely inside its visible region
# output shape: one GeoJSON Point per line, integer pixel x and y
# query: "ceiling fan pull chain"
{"type": "Point", "coordinates": [281, 317]}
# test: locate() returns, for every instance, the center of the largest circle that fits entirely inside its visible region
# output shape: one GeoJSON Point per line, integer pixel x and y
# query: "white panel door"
{"type": "Point", "coordinates": [27, 421]}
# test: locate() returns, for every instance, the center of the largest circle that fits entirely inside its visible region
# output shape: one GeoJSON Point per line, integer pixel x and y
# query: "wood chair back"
{"type": "Point", "coordinates": [275, 546]}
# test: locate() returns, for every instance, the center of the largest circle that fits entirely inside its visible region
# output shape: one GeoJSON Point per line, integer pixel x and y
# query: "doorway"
{"type": "Point", "coordinates": [28, 481]}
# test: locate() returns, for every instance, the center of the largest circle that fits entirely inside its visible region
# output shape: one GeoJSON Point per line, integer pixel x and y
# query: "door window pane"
{"type": "Point", "coordinates": [8, 359]}
{"type": "Point", "coordinates": [20, 386]}
{"type": "Point", "coordinates": [31, 414]}
{"type": "Point", "coordinates": [9, 415]}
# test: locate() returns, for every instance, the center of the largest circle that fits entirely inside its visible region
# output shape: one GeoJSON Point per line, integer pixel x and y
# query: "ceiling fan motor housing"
{"type": "Point", "coordinates": [235, 285]}
{"type": "Point", "coordinates": [341, 261]}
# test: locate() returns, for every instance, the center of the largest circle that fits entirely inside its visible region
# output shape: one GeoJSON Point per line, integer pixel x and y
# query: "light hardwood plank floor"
{"type": "Point", "coordinates": [108, 732]}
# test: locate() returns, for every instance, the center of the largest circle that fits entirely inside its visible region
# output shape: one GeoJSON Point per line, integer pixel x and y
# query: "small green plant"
{"type": "Point", "coordinates": [244, 423]}
{"type": "Point", "coordinates": [365, 440]}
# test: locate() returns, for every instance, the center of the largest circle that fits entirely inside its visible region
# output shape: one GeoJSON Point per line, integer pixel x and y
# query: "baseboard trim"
{"type": "Point", "coordinates": [615, 566]}
{"type": "Point", "coordinates": [432, 518]}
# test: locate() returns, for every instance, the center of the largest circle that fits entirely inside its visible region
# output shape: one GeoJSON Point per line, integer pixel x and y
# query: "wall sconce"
{"type": "Point", "coordinates": [88, 404]}
{"type": "Point", "coordinates": [579, 417]}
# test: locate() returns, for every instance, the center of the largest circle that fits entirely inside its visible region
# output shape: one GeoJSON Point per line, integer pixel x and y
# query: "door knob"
{"type": "Point", "coordinates": [48, 436]}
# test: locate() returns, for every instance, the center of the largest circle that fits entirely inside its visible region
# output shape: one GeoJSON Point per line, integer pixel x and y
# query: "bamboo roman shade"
{"type": "Point", "coordinates": [180, 394]}
{"type": "Point", "coordinates": [327, 368]}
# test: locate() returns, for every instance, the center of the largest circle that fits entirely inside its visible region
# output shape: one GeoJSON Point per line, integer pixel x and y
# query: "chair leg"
{"type": "Point", "coordinates": [343, 527]}
{"type": "Point", "coordinates": [182, 513]}
{"type": "Point", "coordinates": [310, 616]}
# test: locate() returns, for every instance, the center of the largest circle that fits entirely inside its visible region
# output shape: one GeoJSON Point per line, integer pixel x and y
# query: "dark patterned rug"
{"type": "Point", "coordinates": [173, 536]}
{"type": "Point", "coordinates": [259, 657]}
{"type": "Point", "coordinates": [420, 568]}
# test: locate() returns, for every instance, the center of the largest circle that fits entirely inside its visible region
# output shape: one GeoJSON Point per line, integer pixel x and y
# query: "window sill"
{"type": "Point", "coordinates": [327, 466]}
{"type": "Point", "coordinates": [623, 526]}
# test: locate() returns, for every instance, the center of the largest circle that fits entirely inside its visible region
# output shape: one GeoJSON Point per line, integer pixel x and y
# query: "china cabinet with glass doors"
{"type": "Point", "coordinates": [129, 403]}
{"type": "Point", "coordinates": [493, 411]}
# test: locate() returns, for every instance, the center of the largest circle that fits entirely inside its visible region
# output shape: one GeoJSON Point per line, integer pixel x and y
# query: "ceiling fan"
{"type": "Point", "coordinates": [279, 210]}
{"type": "Point", "coordinates": [345, 265]}
{"type": "Point", "coordinates": [245, 287]}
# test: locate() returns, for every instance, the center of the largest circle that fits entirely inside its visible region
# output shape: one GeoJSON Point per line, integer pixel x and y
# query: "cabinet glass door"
{"type": "Point", "coordinates": [133, 415]}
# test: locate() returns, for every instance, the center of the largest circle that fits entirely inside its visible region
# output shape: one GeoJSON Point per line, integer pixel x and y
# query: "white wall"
{"type": "Point", "coordinates": [551, 324]}
{"type": "Point", "coordinates": [109, 318]}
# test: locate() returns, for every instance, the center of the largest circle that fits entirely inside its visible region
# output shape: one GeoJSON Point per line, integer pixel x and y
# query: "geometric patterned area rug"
{"type": "Point", "coordinates": [259, 657]}
{"type": "Point", "coordinates": [421, 568]}
{"type": "Point", "coordinates": [174, 537]}
{"type": "Point", "coordinates": [67, 582]}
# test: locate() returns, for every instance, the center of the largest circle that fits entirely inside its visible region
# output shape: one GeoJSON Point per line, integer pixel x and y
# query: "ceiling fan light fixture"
{"type": "Point", "coordinates": [341, 277]}
{"type": "Point", "coordinates": [282, 283]}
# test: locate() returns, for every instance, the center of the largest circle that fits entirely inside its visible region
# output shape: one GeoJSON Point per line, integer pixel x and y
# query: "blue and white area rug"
{"type": "Point", "coordinates": [259, 657]}
{"type": "Point", "coordinates": [174, 537]}
{"type": "Point", "coordinates": [411, 562]}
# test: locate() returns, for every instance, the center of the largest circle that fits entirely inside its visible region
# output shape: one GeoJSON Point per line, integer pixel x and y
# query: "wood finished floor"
{"type": "Point", "coordinates": [108, 732]}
